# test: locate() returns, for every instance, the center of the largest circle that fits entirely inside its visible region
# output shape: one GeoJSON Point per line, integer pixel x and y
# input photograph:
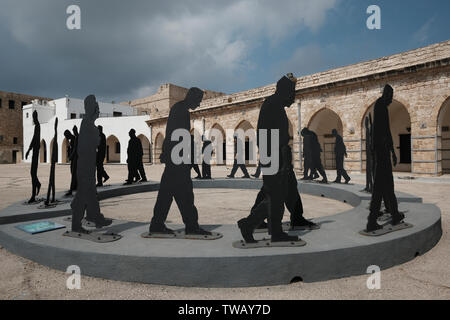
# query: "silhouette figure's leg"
{"type": "Point", "coordinates": [89, 196]}
{"type": "Point", "coordinates": [244, 170]}
{"type": "Point", "coordinates": [275, 194]}
{"type": "Point", "coordinates": [184, 197]}
{"type": "Point", "coordinates": [105, 174]}
{"type": "Point", "coordinates": [141, 171]}
{"type": "Point", "coordinates": [131, 174]}
{"type": "Point", "coordinates": [78, 208]}
{"type": "Point", "coordinates": [204, 170]}
{"type": "Point", "coordinates": [377, 193]}
{"type": "Point", "coordinates": [339, 167]}
{"type": "Point", "coordinates": [234, 169]}
{"type": "Point", "coordinates": [99, 173]}
{"type": "Point", "coordinates": [163, 202]}
{"type": "Point", "coordinates": [34, 179]}
{"type": "Point", "coordinates": [258, 213]}
{"type": "Point", "coordinates": [259, 198]}
{"type": "Point", "coordinates": [389, 197]}
{"type": "Point", "coordinates": [322, 171]}
{"type": "Point", "coordinates": [293, 200]}
{"type": "Point", "coordinates": [196, 169]}
{"type": "Point", "coordinates": [74, 183]}
{"type": "Point", "coordinates": [306, 169]}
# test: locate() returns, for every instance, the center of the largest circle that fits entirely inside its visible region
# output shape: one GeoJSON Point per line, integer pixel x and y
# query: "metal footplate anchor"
{"type": "Point", "coordinates": [94, 236]}
{"type": "Point", "coordinates": [287, 227]}
{"type": "Point", "coordinates": [388, 228]}
{"type": "Point", "coordinates": [181, 235]}
{"type": "Point", "coordinates": [266, 243]}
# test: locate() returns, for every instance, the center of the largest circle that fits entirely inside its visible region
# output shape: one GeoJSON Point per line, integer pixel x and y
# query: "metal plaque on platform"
{"type": "Point", "coordinates": [39, 227]}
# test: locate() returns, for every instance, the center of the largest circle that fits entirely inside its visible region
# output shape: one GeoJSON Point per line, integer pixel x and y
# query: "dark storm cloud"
{"type": "Point", "coordinates": [126, 49]}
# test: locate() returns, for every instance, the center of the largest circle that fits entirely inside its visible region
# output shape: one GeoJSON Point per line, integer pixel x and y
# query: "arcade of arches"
{"type": "Point", "coordinates": [341, 99]}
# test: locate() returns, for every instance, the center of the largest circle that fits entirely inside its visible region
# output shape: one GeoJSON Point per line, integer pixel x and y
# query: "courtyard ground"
{"type": "Point", "coordinates": [426, 277]}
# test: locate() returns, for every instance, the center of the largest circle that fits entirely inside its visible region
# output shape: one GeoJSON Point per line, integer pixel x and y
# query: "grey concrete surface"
{"type": "Point", "coordinates": [334, 251]}
{"type": "Point", "coordinates": [351, 194]}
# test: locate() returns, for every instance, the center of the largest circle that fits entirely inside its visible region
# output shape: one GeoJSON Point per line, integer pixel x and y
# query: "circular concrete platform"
{"type": "Point", "coordinates": [334, 251]}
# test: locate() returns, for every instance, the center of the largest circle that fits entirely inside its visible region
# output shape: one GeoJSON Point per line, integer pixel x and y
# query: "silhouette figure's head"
{"type": "Point", "coordinates": [286, 89]}
{"type": "Point", "coordinates": [91, 108]}
{"type": "Point", "coordinates": [75, 130]}
{"type": "Point", "coordinates": [35, 117]}
{"type": "Point", "coordinates": [388, 94]}
{"type": "Point", "coordinates": [100, 129]}
{"type": "Point", "coordinates": [132, 133]}
{"type": "Point", "coordinates": [304, 132]}
{"type": "Point", "coordinates": [334, 132]}
{"type": "Point", "coordinates": [68, 135]}
{"type": "Point", "coordinates": [193, 98]}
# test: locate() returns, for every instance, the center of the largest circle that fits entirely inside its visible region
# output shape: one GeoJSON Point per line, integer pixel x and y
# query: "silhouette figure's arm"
{"type": "Point", "coordinates": [35, 141]}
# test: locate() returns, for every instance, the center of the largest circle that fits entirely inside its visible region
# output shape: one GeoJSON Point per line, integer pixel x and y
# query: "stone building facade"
{"type": "Point", "coordinates": [11, 131]}
{"type": "Point", "coordinates": [160, 103]}
{"type": "Point", "coordinates": [341, 99]}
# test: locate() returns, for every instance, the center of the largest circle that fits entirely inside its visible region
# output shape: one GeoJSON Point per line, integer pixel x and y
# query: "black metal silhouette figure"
{"type": "Point", "coordinates": [369, 154]}
{"type": "Point", "coordinates": [194, 165]}
{"type": "Point", "coordinates": [86, 197]}
{"type": "Point", "coordinates": [134, 152]}
{"type": "Point", "coordinates": [102, 176]}
{"type": "Point", "coordinates": [340, 151]}
{"type": "Point", "coordinates": [383, 188]}
{"type": "Point", "coordinates": [308, 170]}
{"type": "Point", "coordinates": [73, 161]}
{"type": "Point", "coordinates": [316, 159]}
{"type": "Point", "coordinates": [140, 163]}
{"type": "Point", "coordinates": [71, 144]}
{"type": "Point", "coordinates": [54, 160]}
{"type": "Point", "coordinates": [176, 182]}
{"type": "Point", "coordinates": [206, 167]}
{"type": "Point", "coordinates": [35, 145]}
{"type": "Point", "coordinates": [292, 201]}
{"type": "Point", "coordinates": [276, 187]}
{"type": "Point", "coordinates": [236, 166]}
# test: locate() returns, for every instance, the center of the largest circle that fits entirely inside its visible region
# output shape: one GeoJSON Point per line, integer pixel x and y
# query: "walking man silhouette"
{"type": "Point", "coordinates": [276, 187]}
{"type": "Point", "coordinates": [176, 182]}
{"type": "Point", "coordinates": [86, 197]}
{"type": "Point", "coordinates": [35, 145]}
{"type": "Point", "coordinates": [383, 188]}
{"type": "Point", "coordinates": [54, 160]}
{"type": "Point", "coordinates": [102, 176]}
{"type": "Point", "coordinates": [340, 151]}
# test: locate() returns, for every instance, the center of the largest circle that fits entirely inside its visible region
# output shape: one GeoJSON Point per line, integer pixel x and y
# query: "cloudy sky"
{"type": "Point", "coordinates": [126, 49]}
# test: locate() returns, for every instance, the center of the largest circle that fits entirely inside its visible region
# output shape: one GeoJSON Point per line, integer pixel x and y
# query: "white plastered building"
{"type": "Point", "coordinates": [116, 119]}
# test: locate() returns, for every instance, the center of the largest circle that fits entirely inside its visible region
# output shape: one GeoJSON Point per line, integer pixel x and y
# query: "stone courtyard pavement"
{"type": "Point", "coordinates": [426, 277]}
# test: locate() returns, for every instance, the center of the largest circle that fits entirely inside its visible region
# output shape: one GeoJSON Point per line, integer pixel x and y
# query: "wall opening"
{"type": "Point", "coordinates": [218, 143]}
{"type": "Point", "coordinates": [113, 150]}
{"type": "Point", "coordinates": [146, 148]}
{"type": "Point", "coordinates": [400, 123]}
{"type": "Point", "coordinates": [250, 141]}
{"type": "Point", "coordinates": [443, 143]}
{"type": "Point", "coordinates": [158, 147]}
{"type": "Point", "coordinates": [322, 123]}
